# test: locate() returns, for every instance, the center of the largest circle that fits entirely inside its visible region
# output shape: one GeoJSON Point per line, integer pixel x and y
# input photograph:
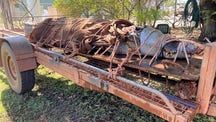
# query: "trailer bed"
{"type": "Point", "coordinates": [191, 71]}
{"type": "Point", "coordinates": [162, 104]}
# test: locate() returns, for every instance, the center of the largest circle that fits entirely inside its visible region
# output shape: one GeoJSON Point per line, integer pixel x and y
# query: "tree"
{"type": "Point", "coordinates": [6, 14]}
{"type": "Point", "coordinates": [148, 11]}
{"type": "Point", "coordinates": [208, 19]}
{"type": "Point", "coordinates": [69, 7]}
{"type": "Point", "coordinates": [107, 9]}
{"type": "Point", "coordinates": [128, 7]}
{"type": "Point", "coordinates": [145, 11]}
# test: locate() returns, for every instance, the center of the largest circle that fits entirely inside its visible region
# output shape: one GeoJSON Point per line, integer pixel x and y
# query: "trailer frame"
{"type": "Point", "coordinates": [152, 100]}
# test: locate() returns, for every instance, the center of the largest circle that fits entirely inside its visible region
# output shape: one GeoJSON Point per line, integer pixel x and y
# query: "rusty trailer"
{"type": "Point", "coordinates": [19, 59]}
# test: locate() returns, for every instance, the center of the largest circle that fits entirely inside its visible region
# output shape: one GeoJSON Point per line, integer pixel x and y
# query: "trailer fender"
{"type": "Point", "coordinates": [1, 41]}
{"type": "Point", "coordinates": [23, 52]}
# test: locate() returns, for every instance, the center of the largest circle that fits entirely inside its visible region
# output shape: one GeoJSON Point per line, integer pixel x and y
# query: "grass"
{"type": "Point", "coordinates": [55, 98]}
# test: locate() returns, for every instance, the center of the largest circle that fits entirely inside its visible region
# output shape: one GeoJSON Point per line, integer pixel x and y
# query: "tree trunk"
{"type": "Point", "coordinates": [208, 20]}
{"type": "Point", "coordinates": [6, 14]}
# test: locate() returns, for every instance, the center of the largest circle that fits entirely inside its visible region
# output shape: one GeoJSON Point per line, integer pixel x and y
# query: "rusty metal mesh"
{"type": "Point", "coordinates": [78, 35]}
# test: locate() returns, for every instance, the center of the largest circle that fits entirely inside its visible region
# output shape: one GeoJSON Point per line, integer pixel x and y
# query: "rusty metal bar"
{"type": "Point", "coordinates": [6, 32]}
{"type": "Point", "coordinates": [186, 103]}
{"type": "Point", "coordinates": [14, 32]}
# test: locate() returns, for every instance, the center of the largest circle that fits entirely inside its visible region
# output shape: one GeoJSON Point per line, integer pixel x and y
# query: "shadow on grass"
{"type": "Point", "coordinates": [57, 99]}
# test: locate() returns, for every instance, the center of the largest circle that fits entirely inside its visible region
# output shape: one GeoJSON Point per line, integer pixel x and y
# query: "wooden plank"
{"type": "Point", "coordinates": [202, 73]}
{"type": "Point", "coordinates": [207, 76]}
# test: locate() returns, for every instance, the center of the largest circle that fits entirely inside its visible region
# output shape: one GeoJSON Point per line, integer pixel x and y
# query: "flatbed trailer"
{"type": "Point", "coordinates": [19, 59]}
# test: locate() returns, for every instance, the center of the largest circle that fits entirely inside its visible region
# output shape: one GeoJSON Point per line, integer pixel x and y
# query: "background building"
{"type": "Point", "coordinates": [32, 10]}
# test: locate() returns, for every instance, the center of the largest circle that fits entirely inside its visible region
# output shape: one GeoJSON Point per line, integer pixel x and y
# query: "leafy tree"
{"type": "Point", "coordinates": [208, 19]}
{"type": "Point", "coordinates": [6, 13]}
{"type": "Point", "coordinates": [112, 9]}
{"type": "Point", "coordinates": [145, 11]}
{"type": "Point", "coordinates": [108, 9]}
{"type": "Point", "coordinates": [128, 7]}
{"type": "Point", "coordinates": [69, 7]}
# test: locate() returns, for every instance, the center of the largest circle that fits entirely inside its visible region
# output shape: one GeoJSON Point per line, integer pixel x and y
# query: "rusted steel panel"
{"type": "Point", "coordinates": [61, 68]}
{"type": "Point", "coordinates": [207, 76]}
{"type": "Point", "coordinates": [26, 64]}
{"type": "Point", "coordinates": [20, 45]}
{"type": "Point", "coordinates": [5, 33]}
{"type": "Point", "coordinates": [26, 61]}
{"type": "Point", "coordinates": [23, 52]}
{"type": "Point", "coordinates": [25, 56]}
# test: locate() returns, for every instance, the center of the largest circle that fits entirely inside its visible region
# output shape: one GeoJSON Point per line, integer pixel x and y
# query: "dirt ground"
{"type": "Point", "coordinates": [179, 33]}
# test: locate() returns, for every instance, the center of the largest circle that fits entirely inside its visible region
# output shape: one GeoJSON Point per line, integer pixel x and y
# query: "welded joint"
{"type": "Point", "coordinates": [98, 82]}
{"type": "Point", "coordinates": [55, 60]}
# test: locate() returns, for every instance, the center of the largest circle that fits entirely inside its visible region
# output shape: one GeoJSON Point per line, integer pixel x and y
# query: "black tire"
{"type": "Point", "coordinates": [20, 82]}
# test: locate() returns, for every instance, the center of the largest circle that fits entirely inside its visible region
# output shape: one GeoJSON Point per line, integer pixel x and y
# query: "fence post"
{"type": "Point", "coordinates": [207, 76]}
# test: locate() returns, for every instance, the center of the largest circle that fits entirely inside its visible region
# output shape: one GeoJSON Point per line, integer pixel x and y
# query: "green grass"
{"type": "Point", "coordinates": [55, 98]}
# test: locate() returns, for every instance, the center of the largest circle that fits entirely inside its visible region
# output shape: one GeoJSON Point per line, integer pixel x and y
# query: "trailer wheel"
{"type": "Point", "coordinates": [20, 82]}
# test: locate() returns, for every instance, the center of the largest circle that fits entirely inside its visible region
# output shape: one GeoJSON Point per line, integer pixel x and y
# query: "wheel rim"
{"type": "Point", "coordinates": [11, 68]}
